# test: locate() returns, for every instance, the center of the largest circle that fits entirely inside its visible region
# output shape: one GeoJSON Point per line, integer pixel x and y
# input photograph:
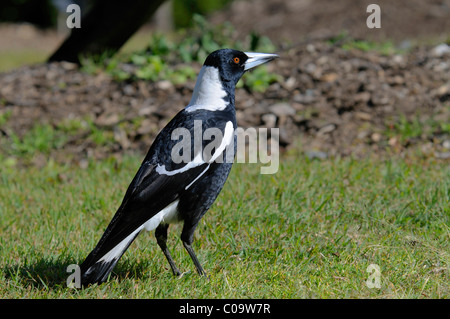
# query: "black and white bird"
{"type": "Point", "coordinates": [166, 190]}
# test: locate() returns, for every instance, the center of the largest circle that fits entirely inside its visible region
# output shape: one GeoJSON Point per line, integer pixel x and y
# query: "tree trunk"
{"type": "Point", "coordinates": [105, 28]}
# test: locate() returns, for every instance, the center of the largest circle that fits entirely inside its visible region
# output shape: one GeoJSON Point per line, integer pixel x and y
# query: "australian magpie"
{"type": "Point", "coordinates": [166, 189]}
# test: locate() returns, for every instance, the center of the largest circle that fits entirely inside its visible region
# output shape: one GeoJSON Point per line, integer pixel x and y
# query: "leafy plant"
{"type": "Point", "coordinates": [171, 59]}
{"type": "Point", "coordinates": [386, 48]}
{"type": "Point", "coordinates": [185, 10]}
{"type": "Point", "coordinates": [406, 129]}
{"type": "Point", "coordinates": [41, 138]}
{"type": "Point", "coordinates": [259, 79]}
{"type": "Point", "coordinates": [4, 116]}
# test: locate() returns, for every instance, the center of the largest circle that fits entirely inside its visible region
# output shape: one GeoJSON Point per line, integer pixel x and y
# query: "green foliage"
{"type": "Point", "coordinates": [408, 129]}
{"type": "Point", "coordinates": [95, 63]}
{"type": "Point", "coordinates": [197, 42]}
{"type": "Point", "coordinates": [185, 10]}
{"type": "Point", "coordinates": [341, 37]}
{"type": "Point", "coordinates": [385, 48]}
{"type": "Point", "coordinates": [41, 138]}
{"type": "Point", "coordinates": [347, 43]}
{"type": "Point", "coordinates": [150, 67]}
{"type": "Point", "coordinates": [416, 127]}
{"type": "Point", "coordinates": [167, 59]}
{"type": "Point", "coordinates": [200, 40]}
{"type": "Point", "coordinates": [4, 116]}
{"type": "Point", "coordinates": [259, 79]}
{"type": "Point", "coordinates": [99, 136]}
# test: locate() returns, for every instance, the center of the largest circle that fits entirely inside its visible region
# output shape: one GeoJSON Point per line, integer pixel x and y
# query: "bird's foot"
{"type": "Point", "coordinates": [181, 275]}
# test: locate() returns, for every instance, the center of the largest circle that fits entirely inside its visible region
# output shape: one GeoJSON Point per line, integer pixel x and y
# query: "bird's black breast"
{"type": "Point", "coordinates": [195, 201]}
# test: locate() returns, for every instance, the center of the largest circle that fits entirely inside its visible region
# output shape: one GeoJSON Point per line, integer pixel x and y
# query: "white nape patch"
{"type": "Point", "coordinates": [167, 215]}
{"type": "Point", "coordinates": [208, 92]}
{"type": "Point", "coordinates": [198, 160]}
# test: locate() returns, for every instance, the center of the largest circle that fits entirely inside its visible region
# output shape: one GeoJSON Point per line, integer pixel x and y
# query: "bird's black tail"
{"type": "Point", "coordinates": [96, 273]}
{"type": "Point", "coordinates": [100, 262]}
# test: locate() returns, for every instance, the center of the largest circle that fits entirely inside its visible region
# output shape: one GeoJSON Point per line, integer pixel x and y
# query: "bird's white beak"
{"type": "Point", "coordinates": [255, 59]}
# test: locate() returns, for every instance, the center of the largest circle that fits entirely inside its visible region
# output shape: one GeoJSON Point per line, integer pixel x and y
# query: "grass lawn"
{"type": "Point", "coordinates": [309, 231]}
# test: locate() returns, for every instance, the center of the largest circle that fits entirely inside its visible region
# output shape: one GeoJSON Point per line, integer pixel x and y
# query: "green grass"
{"type": "Point", "coordinates": [308, 231]}
{"type": "Point", "coordinates": [42, 139]}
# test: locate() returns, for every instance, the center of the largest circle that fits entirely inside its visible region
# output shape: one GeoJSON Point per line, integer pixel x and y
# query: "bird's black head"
{"type": "Point", "coordinates": [232, 64]}
{"type": "Point", "coordinates": [216, 82]}
{"type": "Point", "coordinates": [229, 62]}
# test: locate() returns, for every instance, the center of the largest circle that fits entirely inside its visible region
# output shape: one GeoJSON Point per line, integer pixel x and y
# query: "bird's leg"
{"type": "Point", "coordinates": [161, 238]}
{"type": "Point", "coordinates": [187, 237]}
{"type": "Point", "coordinates": [191, 252]}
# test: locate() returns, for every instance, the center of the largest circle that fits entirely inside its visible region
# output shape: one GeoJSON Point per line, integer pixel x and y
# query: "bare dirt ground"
{"type": "Point", "coordinates": [295, 20]}
{"type": "Point", "coordinates": [331, 100]}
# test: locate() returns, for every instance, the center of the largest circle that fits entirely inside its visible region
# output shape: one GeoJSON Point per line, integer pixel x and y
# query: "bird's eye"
{"type": "Point", "coordinates": [236, 60]}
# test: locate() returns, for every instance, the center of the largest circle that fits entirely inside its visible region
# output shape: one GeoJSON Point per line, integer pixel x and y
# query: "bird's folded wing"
{"type": "Point", "coordinates": [149, 193]}
{"type": "Point", "coordinates": [159, 181]}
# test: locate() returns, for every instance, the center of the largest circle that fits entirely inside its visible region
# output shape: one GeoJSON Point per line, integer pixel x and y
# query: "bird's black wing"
{"type": "Point", "coordinates": [150, 190]}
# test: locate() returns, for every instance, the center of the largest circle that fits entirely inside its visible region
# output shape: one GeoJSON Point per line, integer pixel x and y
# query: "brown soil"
{"type": "Point", "coordinates": [295, 20]}
{"type": "Point", "coordinates": [334, 102]}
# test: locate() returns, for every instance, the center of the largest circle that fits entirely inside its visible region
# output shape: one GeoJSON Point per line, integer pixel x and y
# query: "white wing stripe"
{"type": "Point", "coordinates": [198, 160]}
{"type": "Point", "coordinates": [226, 140]}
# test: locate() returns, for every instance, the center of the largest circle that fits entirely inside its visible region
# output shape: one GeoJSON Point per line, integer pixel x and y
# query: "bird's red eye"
{"type": "Point", "coordinates": [236, 60]}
